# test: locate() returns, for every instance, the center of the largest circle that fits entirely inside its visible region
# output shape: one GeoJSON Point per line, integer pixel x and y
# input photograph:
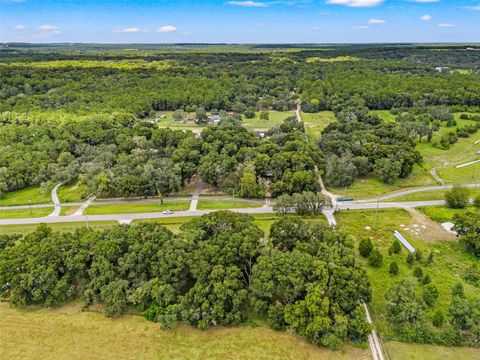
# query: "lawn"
{"type": "Point", "coordinates": [226, 204]}
{"type": "Point", "coordinates": [449, 264]}
{"type": "Point", "coordinates": [316, 122]}
{"type": "Point", "coordinates": [68, 333]}
{"type": "Point", "coordinates": [30, 195]}
{"type": "Point", "coordinates": [275, 118]}
{"type": "Point", "coordinates": [62, 227]}
{"type": "Point", "coordinates": [401, 351]}
{"type": "Point", "coordinates": [25, 213]}
{"type": "Point", "coordinates": [72, 192]}
{"type": "Point", "coordinates": [385, 115]}
{"type": "Point", "coordinates": [68, 210]}
{"type": "Point", "coordinates": [136, 208]}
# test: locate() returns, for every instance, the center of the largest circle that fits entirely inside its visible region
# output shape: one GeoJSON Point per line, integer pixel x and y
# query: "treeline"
{"type": "Point", "coordinates": [145, 81]}
{"type": "Point", "coordinates": [220, 270]}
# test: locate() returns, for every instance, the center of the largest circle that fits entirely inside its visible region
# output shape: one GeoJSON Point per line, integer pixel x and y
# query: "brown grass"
{"type": "Point", "coordinates": [69, 333]}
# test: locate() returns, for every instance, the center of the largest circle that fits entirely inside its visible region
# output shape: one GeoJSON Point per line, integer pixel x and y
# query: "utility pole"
{"type": "Point", "coordinates": [376, 211]}
{"type": "Point", "coordinates": [30, 205]}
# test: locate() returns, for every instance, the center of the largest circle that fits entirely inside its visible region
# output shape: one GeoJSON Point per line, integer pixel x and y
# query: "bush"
{"type": "Point", "coordinates": [418, 272]}
{"type": "Point", "coordinates": [426, 279]}
{"type": "Point", "coordinates": [476, 201]}
{"type": "Point", "coordinates": [410, 259]}
{"type": "Point", "coordinates": [438, 319]}
{"type": "Point", "coordinates": [457, 197]}
{"type": "Point", "coordinates": [430, 294]}
{"type": "Point", "coordinates": [393, 268]}
{"type": "Point", "coordinates": [457, 290]}
{"type": "Point", "coordinates": [365, 247]}
{"type": "Point", "coordinates": [376, 258]}
{"type": "Point", "coordinates": [395, 248]}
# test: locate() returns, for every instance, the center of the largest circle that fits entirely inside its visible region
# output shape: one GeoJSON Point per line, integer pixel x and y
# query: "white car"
{"type": "Point", "coordinates": [167, 212]}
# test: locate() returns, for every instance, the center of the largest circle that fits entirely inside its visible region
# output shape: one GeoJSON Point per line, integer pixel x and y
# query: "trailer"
{"type": "Point", "coordinates": [404, 241]}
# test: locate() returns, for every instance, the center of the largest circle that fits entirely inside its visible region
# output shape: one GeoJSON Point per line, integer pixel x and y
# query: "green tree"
{"type": "Point", "coordinates": [457, 197]}
{"type": "Point", "coordinates": [264, 116]}
{"type": "Point", "coordinates": [393, 268]}
{"type": "Point", "coordinates": [430, 294]}
{"type": "Point", "coordinates": [395, 248]}
{"type": "Point", "coordinates": [365, 247]}
{"type": "Point", "coordinates": [375, 258]}
{"type": "Point", "coordinates": [403, 304]}
{"type": "Point", "coordinates": [387, 170]}
{"type": "Point", "coordinates": [248, 185]}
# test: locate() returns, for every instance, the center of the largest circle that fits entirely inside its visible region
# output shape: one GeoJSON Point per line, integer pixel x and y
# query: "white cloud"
{"type": "Point", "coordinates": [376, 21]}
{"type": "Point", "coordinates": [446, 25]}
{"type": "Point", "coordinates": [247, 3]}
{"type": "Point", "coordinates": [426, 17]}
{"type": "Point", "coordinates": [474, 8]}
{"type": "Point", "coordinates": [361, 27]}
{"type": "Point", "coordinates": [356, 3]}
{"type": "Point", "coordinates": [48, 27]}
{"type": "Point", "coordinates": [129, 30]}
{"type": "Point", "coordinates": [166, 28]}
{"type": "Point", "coordinates": [20, 27]}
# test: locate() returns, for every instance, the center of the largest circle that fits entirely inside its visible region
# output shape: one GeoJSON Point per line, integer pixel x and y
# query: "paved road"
{"type": "Point", "coordinates": [159, 215]}
{"type": "Point", "coordinates": [56, 202]}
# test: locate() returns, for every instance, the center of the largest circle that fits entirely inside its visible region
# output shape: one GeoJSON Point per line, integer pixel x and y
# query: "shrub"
{"type": "Point", "coordinates": [430, 294]}
{"type": "Point", "coordinates": [418, 272]}
{"type": "Point", "coordinates": [457, 290]}
{"type": "Point", "coordinates": [426, 279]}
{"type": "Point", "coordinates": [395, 248]}
{"type": "Point", "coordinates": [476, 201]}
{"type": "Point", "coordinates": [410, 259]}
{"type": "Point", "coordinates": [393, 268]}
{"type": "Point", "coordinates": [438, 319]}
{"type": "Point", "coordinates": [376, 258]}
{"type": "Point", "coordinates": [365, 247]}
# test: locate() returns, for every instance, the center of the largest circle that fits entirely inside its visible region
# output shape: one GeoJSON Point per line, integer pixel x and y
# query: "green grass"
{"type": "Point", "coordinates": [371, 187]}
{"type": "Point", "coordinates": [385, 115]}
{"type": "Point", "coordinates": [450, 260]}
{"type": "Point", "coordinates": [62, 227]}
{"type": "Point", "coordinates": [225, 204]}
{"type": "Point", "coordinates": [31, 195]}
{"type": "Point", "coordinates": [429, 195]}
{"type": "Point", "coordinates": [68, 333]}
{"type": "Point", "coordinates": [445, 161]}
{"type": "Point", "coordinates": [136, 208]}
{"type": "Point", "coordinates": [71, 192]}
{"type": "Point", "coordinates": [443, 214]}
{"type": "Point", "coordinates": [276, 117]}
{"type": "Point", "coordinates": [68, 210]}
{"type": "Point", "coordinates": [401, 351]}
{"type": "Point", "coordinates": [25, 213]}
{"type": "Point", "coordinates": [316, 122]}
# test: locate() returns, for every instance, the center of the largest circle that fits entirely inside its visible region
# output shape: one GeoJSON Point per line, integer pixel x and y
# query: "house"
{"type": "Point", "coordinates": [442, 69]}
{"type": "Point", "coordinates": [214, 118]}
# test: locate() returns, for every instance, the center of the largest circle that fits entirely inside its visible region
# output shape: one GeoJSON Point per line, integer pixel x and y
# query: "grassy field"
{"type": "Point", "coordinates": [225, 204]}
{"type": "Point", "coordinates": [62, 227]}
{"type": "Point", "coordinates": [136, 208]}
{"type": "Point", "coordinates": [449, 264]}
{"type": "Point", "coordinates": [443, 214]}
{"type": "Point", "coordinates": [31, 195]}
{"type": "Point", "coordinates": [371, 187]}
{"type": "Point", "coordinates": [68, 210]}
{"type": "Point", "coordinates": [316, 122]}
{"type": "Point", "coordinates": [276, 117]}
{"type": "Point", "coordinates": [401, 351]}
{"type": "Point", "coordinates": [25, 213]}
{"type": "Point", "coordinates": [68, 333]}
{"type": "Point", "coordinates": [385, 115]}
{"type": "Point", "coordinates": [71, 192]}
{"type": "Point", "coordinates": [430, 195]}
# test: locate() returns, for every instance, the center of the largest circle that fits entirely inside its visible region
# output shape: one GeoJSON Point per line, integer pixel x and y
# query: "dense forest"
{"type": "Point", "coordinates": [82, 113]}
{"type": "Point", "coordinates": [220, 270]}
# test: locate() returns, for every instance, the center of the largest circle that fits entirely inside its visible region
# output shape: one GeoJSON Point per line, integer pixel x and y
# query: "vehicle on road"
{"type": "Point", "coordinates": [167, 212]}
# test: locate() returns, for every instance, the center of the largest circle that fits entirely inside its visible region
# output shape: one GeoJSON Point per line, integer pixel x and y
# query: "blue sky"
{"type": "Point", "coordinates": [324, 21]}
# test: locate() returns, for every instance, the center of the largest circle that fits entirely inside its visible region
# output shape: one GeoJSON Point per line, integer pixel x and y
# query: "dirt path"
{"type": "Point", "coordinates": [426, 229]}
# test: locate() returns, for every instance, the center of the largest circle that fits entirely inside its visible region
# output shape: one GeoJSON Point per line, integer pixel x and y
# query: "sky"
{"type": "Point", "coordinates": [239, 21]}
